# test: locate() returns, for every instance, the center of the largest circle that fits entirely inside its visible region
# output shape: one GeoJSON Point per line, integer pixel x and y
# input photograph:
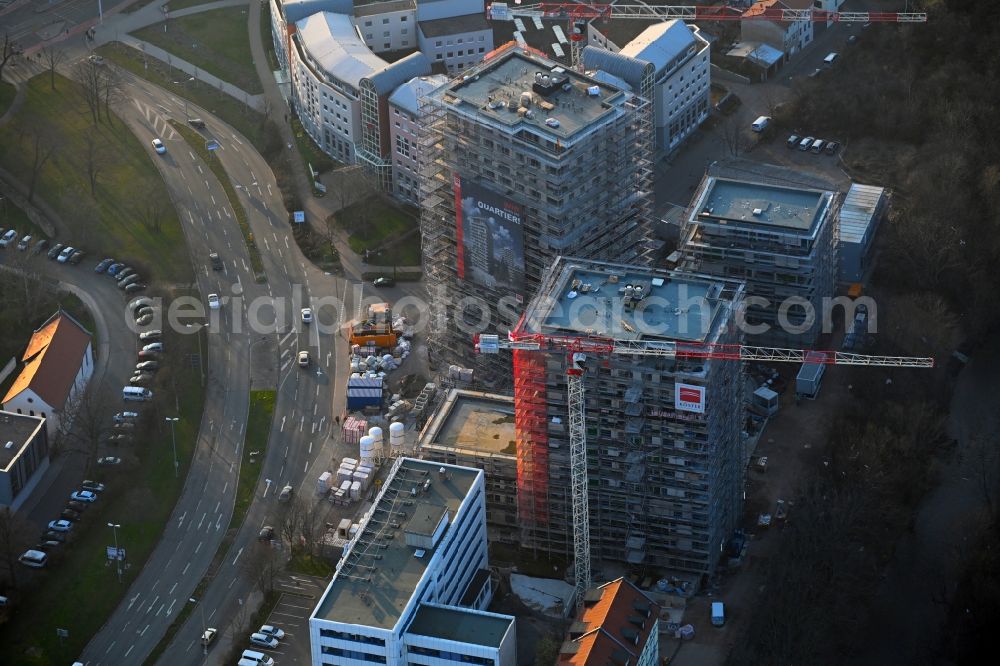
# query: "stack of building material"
{"type": "Point", "coordinates": [323, 483]}
{"type": "Point", "coordinates": [354, 428]}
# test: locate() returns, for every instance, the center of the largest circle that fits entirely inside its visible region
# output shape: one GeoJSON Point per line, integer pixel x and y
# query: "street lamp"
{"type": "Point", "coordinates": [173, 438]}
{"type": "Point", "coordinates": [118, 560]}
{"type": "Point", "coordinates": [204, 626]}
{"type": "Point", "coordinates": [183, 85]}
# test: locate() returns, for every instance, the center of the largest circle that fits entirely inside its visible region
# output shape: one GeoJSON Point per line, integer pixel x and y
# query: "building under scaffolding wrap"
{"type": "Point", "coordinates": [522, 161]}
{"type": "Point", "coordinates": [664, 445]}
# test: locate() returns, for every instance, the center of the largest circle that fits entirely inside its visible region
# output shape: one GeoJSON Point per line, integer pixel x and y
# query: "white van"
{"type": "Point", "coordinates": [817, 146]}
{"type": "Point", "coordinates": [136, 394]}
{"type": "Point", "coordinates": [718, 613]}
{"type": "Point", "coordinates": [253, 658]}
{"type": "Point", "coordinates": [35, 559]}
{"type": "Point", "coordinates": [830, 58]}
{"type": "Point", "coordinates": [761, 123]}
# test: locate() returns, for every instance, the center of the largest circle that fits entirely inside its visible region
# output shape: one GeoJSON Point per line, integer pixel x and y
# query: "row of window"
{"type": "Point", "coordinates": [482, 38]}
{"type": "Point", "coordinates": [450, 656]}
{"type": "Point", "coordinates": [385, 21]}
{"type": "Point", "coordinates": [354, 638]}
{"type": "Point", "coordinates": [353, 654]}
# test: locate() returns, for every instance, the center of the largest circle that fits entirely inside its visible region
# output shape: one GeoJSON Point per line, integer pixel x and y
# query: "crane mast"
{"type": "Point", "coordinates": [577, 349]}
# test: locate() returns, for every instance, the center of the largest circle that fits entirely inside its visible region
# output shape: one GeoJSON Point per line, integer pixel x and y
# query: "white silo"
{"type": "Point", "coordinates": [397, 438]}
{"type": "Point", "coordinates": [367, 450]}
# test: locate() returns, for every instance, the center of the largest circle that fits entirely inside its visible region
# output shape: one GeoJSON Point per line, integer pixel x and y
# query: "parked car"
{"type": "Point", "coordinates": [159, 147]}
{"type": "Point", "coordinates": [150, 335]}
{"type": "Point", "coordinates": [832, 147]}
{"type": "Point", "coordinates": [147, 365]}
{"type": "Point", "coordinates": [145, 310]}
{"type": "Point", "coordinates": [65, 254]}
{"type": "Point", "coordinates": [260, 640]}
{"type": "Point", "coordinates": [60, 525]}
{"type": "Point", "coordinates": [304, 359]}
{"type": "Point", "coordinates": [95, 59]}
{"type": "Point", "coordinates": [272, 631]}
{"type": "Point", "coordinates": [140, 302]}
{"type": "Point", "coordinates": [197, 123]}
{"type": "Point", "coordinates": [286, 493]}
{"type": "Point", "coordinates": [55, 250]}
{"type": "Point", "coordinates": [131, 279]}
{"type": "Point", "coordinates": [23, 244]}
{"type": "Point", "coordinates": [266, 533]}
{"type": "Point", "coordinates": [9, 237]}
{"type": "Point", "coordinates": [125, 417]}
{"type": "Point", "coordinates": [124, 272]}
{"type": "Point", "coordinates": [793, 141]}
{"type": "Point", "coordinates": [70, 515]}
{"type": "Point", "coordinates": [103, 266]}
{"type": "Point", "coordinates": [119, 438]}
{"type": "Point", "coordinates": [152, 346]}
{"type": "Point", "coordinates": [216, 262]}
{"type": "Point", "coordinates": [134, 287]}
{"type": "Point", "coordinates": [806, 142]}
{"type": "Point", "coordinates": [145, 320]}
{"type": "Point", "coordinates": [384, 281]}
{"type": "Point", "coordinates": [92, 486]}
{"type": "Point", "coordinates": [52, 535]}
{"type": "Point", "coordinates": [307, 315]}
{"type": "Point", "coordinates": [114, 268]}
{"type": "Point", "coordinates": [84, 496]}
{"type": "Point", "coordinates": [127, 425]}
{"type": "Point", "coordinates": [213, 301]}
{"type": "Point", "coordinates": [35, 559]}
{"type": "Point", "coordinates": [79, 507]}
{"type": "Point", "coordinates": [47, 546]}
{"type": "Point", "coordinates": [76, 257]}
{"type": "Point", "coordinates": [148, 355]}
{"type": "Point", "coordinates": [108, 461]}
{"type": "Point", "coordinates": [141, 379]}
{"type": "Point", "coordinates": [40, 246]}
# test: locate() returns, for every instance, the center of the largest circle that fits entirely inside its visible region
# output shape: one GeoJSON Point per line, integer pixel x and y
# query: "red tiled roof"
{"type": "Point", "coordinates": [615, 626]}
{"type": "Point", "coordinates": [52, 360]}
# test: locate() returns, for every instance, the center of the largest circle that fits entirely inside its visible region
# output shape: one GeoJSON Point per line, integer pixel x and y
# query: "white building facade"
{"type": "Point", "coordinates": [404, 127]}
{"type": "Point", "coordinates": [413, 582]}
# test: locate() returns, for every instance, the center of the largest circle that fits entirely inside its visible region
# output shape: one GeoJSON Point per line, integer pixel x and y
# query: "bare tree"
{"type": "Point", "coordinates": [112, 89]}
{"type": "Point", "coordinates": [291, 518]}
{"type": "Point", "coordinates": [40, 150]}
{"type": "Point", "coordinates": [52, 56]}
{"type": "Point", "coordinates": [8, 49]}
{"type": "Point", "coordinates": [94, 158]}
{"type": "Point", "coordinates": [15, 536]}
{"type": "Point", "coordinates": [83, 422]}
{"type": "Point", "coordinates": [150, 209]}
{"type": "Point", "coordinates": [732, 136]}
{"type": "Point", "coordinates": [88, 75]}
{"type": "Point", "coordinates": [263, 565]}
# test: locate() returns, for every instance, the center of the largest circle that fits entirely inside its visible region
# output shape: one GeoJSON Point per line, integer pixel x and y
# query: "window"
{"type": "Point", "coordinates": [402, 19]}
{"type": "Point", "coordinates": [385, 34]}
{"type": "Point", "coordinates": [385, 21]}
{"type": "Point", "coordinates": [482, 49]}
{"type": "Point", "coordinates": [438, 57]}
{"type": "Point", "coordinates": [451, 54]}
{"type": "Point", "coordinates": [437, 43]}
{"type": "Point", "coordinates": [386, 45]}
{"type": "Point", "coordinates": [459, 41]}
{"type": "Point", "coordinates": [368, 36]}
{"type": "Point", "coordinates": [368, 24]}
{"type": "Point", "coordinates": [403, 31]}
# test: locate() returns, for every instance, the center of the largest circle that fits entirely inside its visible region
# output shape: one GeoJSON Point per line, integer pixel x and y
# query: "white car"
{"type": "Point", "coordinates": [208, 636]}
{"type": "Point", "coordinates": [108, 460]}
{"type": "Point", "coordinates": [65, 254]}
{"type": "Point", "coordinates": [262, 640]}
{"type": "Point", "coordinates": [153, 347]}
{"type": "Point", "coordinates": [307, 315]}
{"type": "Point", "coordinates": [83, 496]}
{"type": "Point", "coordinates": [23, 245]}
{"type": "Point", "coordinates": [60, 525]}
{"type": "Point", "coordinates": [271, 630]}
{"type": "Point", "coordinates": [124, 417]}
{"type": "Point", "coordinates": [303, 359]}
{"type": "Point", "coordinates": [213, 301]}
{"type": "Point", "coordinates": [8, 238]}
{"type": "Point", "coordinates": [159, 147]}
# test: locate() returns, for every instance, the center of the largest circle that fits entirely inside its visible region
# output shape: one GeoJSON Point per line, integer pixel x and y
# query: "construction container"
{"type": "Point", "coordinates": [364, 392]}
{"type": "Point", "coordinates": [323, 483]}
{"type": "Point", "coordinates": [808, 381]}
{"type": "Point", "coordinates": [356, 491]}
{"type": "Point", "coordinates": [344, 528]}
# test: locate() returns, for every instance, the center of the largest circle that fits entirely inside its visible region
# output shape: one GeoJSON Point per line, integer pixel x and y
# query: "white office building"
{"type": "Point", "coordinates": [414, 581]}
{"type": "Point", "coordinates": [668, 64]}
{"type": "Point", "coordinates": [404, 128]}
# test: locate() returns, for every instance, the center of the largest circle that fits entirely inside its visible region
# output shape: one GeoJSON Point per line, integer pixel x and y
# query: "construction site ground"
{"type": "Point", "coordinates": [793, 443]}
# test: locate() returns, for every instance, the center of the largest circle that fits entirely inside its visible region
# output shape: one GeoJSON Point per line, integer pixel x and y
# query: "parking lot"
{"type": "Point", "coordinates": [291, 615]}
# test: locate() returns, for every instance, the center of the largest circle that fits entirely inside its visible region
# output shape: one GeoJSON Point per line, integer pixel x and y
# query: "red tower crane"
{"type": "Point", "coordinates": [577, 349]}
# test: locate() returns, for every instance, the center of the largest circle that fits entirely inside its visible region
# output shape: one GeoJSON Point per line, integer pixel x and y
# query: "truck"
{"type": "Point", "coordinates": [718, 613]}
{"type": "Point", "coordinates": [808, 381]}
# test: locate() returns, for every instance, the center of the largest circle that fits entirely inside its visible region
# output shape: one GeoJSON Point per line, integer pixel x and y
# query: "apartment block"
{"type": "Point", "coordinates": [475, 429]}
{"type": "Point", "coordinates": [779, 239]}
{"type": "Point", "coordinates": [617, 624]}
{"type": "Point", "coordinates": [413, 583]}
{"type": "Point", "coordinates": [663, 434]}
{"type": "Point", "coordinates": [523, 161]}
{"type": "Point", "coordinates": [23, 458]}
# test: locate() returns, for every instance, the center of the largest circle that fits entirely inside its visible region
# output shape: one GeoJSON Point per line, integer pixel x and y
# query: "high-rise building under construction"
{"type": "Point", "coordinates": [521, 161]}
{"type": "Point", "coordinates": [665, 458]}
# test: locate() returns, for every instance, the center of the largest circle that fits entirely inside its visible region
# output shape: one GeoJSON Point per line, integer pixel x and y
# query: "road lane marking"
{"type": "Point", "coordinates": [174, 587]}
{"type": "Point", "coordinates": [152, 604]}
{"type": "Point", "coordinates": [171, 609]}
{"type": "Point", "coordinates": [202, 521]}
{"type": "Point", "coordinates": [237, 557]}
{"type": "Point", "coordinates": [310, 447]}
{"type": "Point", "coordinates": [217, 505]}
{"type": "Point", "coordinates": [162, 606]}
{"type": "Point", "coordinates": [184, 573]}
{"type": "Point", "coordinates": [134, 599]}
{"type": "Point", "coordinates": [111, 646]}
{"type": "Point", "coordinates": [198, 548]}
{"type": "Point", "coordinates": [133, 644]}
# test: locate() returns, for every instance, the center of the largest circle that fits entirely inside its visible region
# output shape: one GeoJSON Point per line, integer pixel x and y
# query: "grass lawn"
{"type": "Point", "coordinates": [216, 41]}
{"type": "Point", "coordinates": [12, 217]}
{"type": "Point", "coordinates": [7, 94]}
{"type": "Point", "coordinates": [265, 36]}
{"type": "Point", "coordinates": [258, 430]}
{"type": "Point", "coordinates": [79, 591]}
{"type": "Point", "coordinates": [310, 152]}
{"type": "Point", "coordinates": [374, 222]}
{"type": "Point", "coordinates": [310, 565]}
{"type": "Point", "coordinates": [115, 221]}
{"type": "Point", "coordinates": [245, 120]}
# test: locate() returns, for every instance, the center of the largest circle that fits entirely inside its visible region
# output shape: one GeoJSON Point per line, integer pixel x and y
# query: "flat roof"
{"type": "Point", "coordinates": [379, 573]}
{"type": "Point", "coordinates": [859, 211]}
{"type": "Point", "coordinates": [19, 429]}
{"type": "Point", "coordinates": [462, 625]}
{"type": "Point", "coordinates": [758, 204]}
{"type": "Point", "coordinates": [592, 298]}
{"type": "Point", "coordinates": [474, 421]}
{"type": "Point", "coordinates": [454, 25]}
{"type": "Point", "coordinates": [493, 90]}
